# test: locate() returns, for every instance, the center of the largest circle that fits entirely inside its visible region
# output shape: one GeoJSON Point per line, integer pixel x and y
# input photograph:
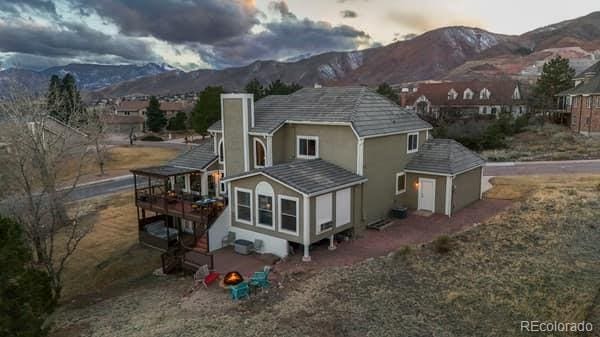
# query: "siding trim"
{"type": "Point", "coordinates": [448, 205]}
{"type": "Point", "coordinates": [396, 133]}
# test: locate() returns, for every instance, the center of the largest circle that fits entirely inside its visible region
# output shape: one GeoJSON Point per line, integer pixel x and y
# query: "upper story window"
{"type": "Point", "coordinates": [221, 152]}
{"type": "Point", "coordinates": [589, 102]}
{"type": "Point", "coordinates": [452, 94]}
{"type": "Point", "coordinates": [260, 153]}
{"type": "Point", "coordinates": [307, 147]}
{"type": "Point", "coordinates": [468, 94]}
{"type": "Point", "coordinates": [412, 144]}
{"type": "Point", "coordinates": [484, 94]}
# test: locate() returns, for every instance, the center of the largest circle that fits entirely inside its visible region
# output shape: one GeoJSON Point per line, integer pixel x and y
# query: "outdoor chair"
{"type": "Point", "coordinates": [239, 291]}
{"type": "Point", "coordinates": [260, 279]}
{"type": "Point", "coordinates": [228, 240]}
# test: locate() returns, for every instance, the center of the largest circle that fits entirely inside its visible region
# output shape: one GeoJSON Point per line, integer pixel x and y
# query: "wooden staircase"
{"type": "Point", "coordinates": [202, 244]}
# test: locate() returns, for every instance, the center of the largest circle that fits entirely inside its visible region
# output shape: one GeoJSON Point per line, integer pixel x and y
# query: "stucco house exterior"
{"type": "Point", "coordinates": [297, 169]}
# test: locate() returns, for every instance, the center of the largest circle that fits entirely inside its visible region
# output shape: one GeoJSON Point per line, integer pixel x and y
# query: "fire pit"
{"type": "Point", "coordinates": [232, 278]}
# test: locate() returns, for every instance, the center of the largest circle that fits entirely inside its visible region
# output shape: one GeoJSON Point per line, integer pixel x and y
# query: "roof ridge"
{"type": "Point", "coordinates": [357, 103]}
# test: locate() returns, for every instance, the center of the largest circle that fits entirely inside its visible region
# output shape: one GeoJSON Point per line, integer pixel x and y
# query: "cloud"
{"type": "Point", "coordinates": [68, 40]}
{"type": "Point", "coordinates": [427, 20]}
{"type": "Point", "coordinates": [282, 8]}
{"type": "Point", "coordinates": [17, 6]}
{"type": "Point", "coordinates": [349, 14]}
{"type": "Point", "coordinates": [284, 39]}
{"type": "Point", "coordinates": [177, 21]}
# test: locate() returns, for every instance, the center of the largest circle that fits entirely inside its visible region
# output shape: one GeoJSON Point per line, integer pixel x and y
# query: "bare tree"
{"type": "Point", "coordinates": [39, 168]}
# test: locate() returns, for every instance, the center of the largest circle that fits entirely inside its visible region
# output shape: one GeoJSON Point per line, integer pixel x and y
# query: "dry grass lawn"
{"type": "Point", "coordinates": [120, 160]}
{"type": "Point", "coordinates": [110, 254]}
{"type": "Point", "coordinates": [538, 261]}
{"type": "Point", "coordinates": [552, 142]}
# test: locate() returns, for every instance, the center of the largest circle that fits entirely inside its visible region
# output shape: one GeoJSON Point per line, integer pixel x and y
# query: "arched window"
{"type": "Point", "coordinates": [221, 152]}
{"type": "Point", "coordinates": [260, 153]}
{"type": "Point", "coordinates": [264, 205]}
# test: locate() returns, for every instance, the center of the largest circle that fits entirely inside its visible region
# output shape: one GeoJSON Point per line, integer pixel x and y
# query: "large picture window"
{"type": "Point", "coordinates": [412, 143]}
{"type": "Point", "coordinates": [288, 214]}
{"type": "Point", "coordinates": [243, 199]}
{"type": "Point", "coordinates": [307, 147]}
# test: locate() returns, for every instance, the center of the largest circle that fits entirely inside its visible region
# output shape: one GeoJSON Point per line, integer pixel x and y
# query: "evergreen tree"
{"type": "Point", "coordinates": [386, 90]}
{"type": "Point", "coordinates": [178, 122]}
{"type": "Point", "coordinates": [63, 98]}
{"type": "Point", "coordinates": [155, 118]}
{"type": "Point", "coordinates": [556, 76]}
{"type": "Point", "coordinates": [254, 87]}
{"type": "Point", "coordinates": [280, 88]}
{"type": "Point", "coordinates": [25, 292]}
{"type": "Point", "coordinates": [207, 109]}
{"type": "Point", "coordinates": [53, 96]}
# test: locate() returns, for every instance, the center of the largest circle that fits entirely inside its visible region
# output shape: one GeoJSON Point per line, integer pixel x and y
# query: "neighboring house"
{"type": "Point", "coordinates": [466, 97]}
{"type": "Point", "coordinates": [299, 168]}
{"type": "Point", "coordinates": [138, 108]}
{"type": "Point", "coordinates": [583, 101]}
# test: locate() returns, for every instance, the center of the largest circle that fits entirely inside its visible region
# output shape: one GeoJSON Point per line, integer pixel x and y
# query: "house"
{"type": "Point", "coordinates": [465, 97]}
{"type": "Point", "coordinates": [582, 102]}
{"type": "Point", "coordinates": [297, 169]}
{"type": "Point", "coordinates": [138, 108]}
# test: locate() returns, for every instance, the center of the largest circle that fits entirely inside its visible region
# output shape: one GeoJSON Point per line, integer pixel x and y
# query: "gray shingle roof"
{"type": "Point", "coordinates": [216, 126]}
{"type": "Point", "coordinates": [197, 157]}
{"type": "Point", "coordinates": [163, 171]}
{"type": "Point", "coordinates": [370, 113]}
{"type": "Point", "coordinates": [444, 156]}
{"type": "Point", "coordinates": [591, 86]}
{"type": "Point", "coordinates": [308, 176]}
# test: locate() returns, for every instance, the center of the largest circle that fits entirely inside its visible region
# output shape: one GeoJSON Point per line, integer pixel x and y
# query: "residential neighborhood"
{"type": "Point", "coordinates": [299, 168]}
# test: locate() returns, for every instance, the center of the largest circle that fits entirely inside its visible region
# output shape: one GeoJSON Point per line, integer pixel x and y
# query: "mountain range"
{"type": "Point", "coordinates": [449, 53]}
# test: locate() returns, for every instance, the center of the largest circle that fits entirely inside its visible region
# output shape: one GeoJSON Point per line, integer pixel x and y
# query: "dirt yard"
{"type": "Point", "coordinates": [538, 261]}
{"type": "Point", "coordinates": [552, 142]}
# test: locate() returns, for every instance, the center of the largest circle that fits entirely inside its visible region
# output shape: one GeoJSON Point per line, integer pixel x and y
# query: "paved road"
{"type": "Point", "coordinates": [102, 188]}
{"type": "Point", "coordinates": [533, 168]}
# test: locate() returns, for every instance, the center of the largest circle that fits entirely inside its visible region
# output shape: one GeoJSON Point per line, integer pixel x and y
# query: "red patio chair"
{"type": "Point", "coordinates": [210, 279]}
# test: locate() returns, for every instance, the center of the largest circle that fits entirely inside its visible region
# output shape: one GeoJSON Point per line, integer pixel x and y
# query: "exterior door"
{"type": "Point", "coordinates": [427, 194]}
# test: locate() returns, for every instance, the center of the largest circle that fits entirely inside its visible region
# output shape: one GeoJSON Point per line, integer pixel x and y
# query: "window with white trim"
{"type": "Point", "coordinates": [589, 102]}
{"type": "Point", "coordinates": [264, 205]}
{"type": "Point", "coordinates": [288, 214]}
{"type": "Point", "coordinates": [221, 152]}
{"type": "Point", "coordinates": [243, 201]}
{"type": "Point", "coordinates": [468, 94]}
{"type": "Point", "coordinates": [260, 153]}
{"type": "Point", "coordinates": [307, 147]}
{"type": "Point", "coordinates": [412, 142]}
{"type": "Point", "coordinates": [400, 183]}
{"type": "Point", "coordinates": [324, 213]}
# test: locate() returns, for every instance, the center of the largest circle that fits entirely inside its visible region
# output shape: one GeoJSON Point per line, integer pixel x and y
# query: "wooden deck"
{"type": "Point", "coordinates": [181, 208]}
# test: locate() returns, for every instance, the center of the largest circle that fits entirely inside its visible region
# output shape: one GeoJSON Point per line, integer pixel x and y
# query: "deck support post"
{"type": "Point", "coordinates": [306, 228]}
{"type": "Point", "coordinates": [331, 243]}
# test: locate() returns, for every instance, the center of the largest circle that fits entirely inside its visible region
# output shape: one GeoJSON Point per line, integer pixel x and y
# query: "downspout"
{"type": "Point", "coordinates": [580, 113]}
{"type": "Point", "coordinates": [306, 236]}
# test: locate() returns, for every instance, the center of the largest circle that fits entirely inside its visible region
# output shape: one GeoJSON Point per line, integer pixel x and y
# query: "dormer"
{"type": "Point", "coordinates": [452, 94]}
{"type": "Point", "coordinates": [468, 94]}
{"type": "Point", "coordinates": [484, 94]}
{"type": "Point", "coordinates": [516, 93]}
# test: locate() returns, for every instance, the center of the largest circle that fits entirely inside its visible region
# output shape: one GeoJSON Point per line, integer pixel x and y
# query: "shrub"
{"type": "Point", "coordinates": [443, 244]}
{"type": "Point", "coordinates": [152, 138]}
{"type": "Point", "coordinates": [178, 122]}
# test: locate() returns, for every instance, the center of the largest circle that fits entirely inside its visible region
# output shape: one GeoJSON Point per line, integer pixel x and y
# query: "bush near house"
{"type": "Point", "coordinates": [479, 133]}
{"type": "Point", "coordinates": [151, 138]}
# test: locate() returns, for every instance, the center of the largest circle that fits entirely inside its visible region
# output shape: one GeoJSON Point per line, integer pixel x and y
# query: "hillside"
{"type": "Point", "coordinates": [442, 54]}
{"type": "Point", "coordinates": [89, 76]}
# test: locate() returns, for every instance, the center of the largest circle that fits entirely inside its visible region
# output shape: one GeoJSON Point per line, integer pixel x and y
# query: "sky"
{"type": "Point", "coordinates": [194, 34]}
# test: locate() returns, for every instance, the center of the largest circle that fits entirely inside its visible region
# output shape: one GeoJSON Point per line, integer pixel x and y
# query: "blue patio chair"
{"type": "Point", "coordinates": [260, 279]}
{"type": "Point", "coordinates": [239, 291]}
